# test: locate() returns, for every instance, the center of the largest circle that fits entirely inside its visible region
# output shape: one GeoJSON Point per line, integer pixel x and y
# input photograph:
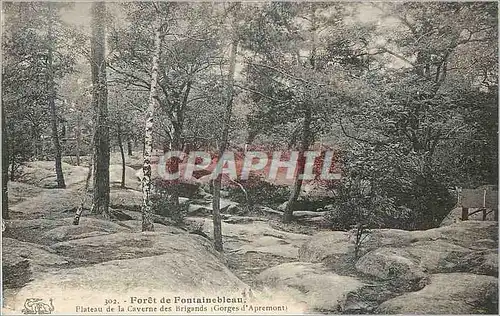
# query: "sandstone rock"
{"type": "Point", "coordinates": [330, 247]}
{"type": "Point", "coordinates": [21, 261]}
{"type": "Point", "coordinates": [42, 174]}
{"type": "Point", "coordinates": [394, 264]}
{"type": "Point", "coordinates": [184, 266]}
{"type": "Point", "coordinates": [129, 245]}
{"type": "Point", "coordinates": [131, 180]}
{"type": "Point", "coordinates": [448, 293]}
{"type": "Point", "coordinates": [51, 204]}
{"type": "Point", "coordinates": [19, 191]}
{"type": "Point", "coordinates": [312, 283]}
{"type": "Point", "coordinates": [125, 199]}
{"type": "Point", "coordinates": [86, 228]}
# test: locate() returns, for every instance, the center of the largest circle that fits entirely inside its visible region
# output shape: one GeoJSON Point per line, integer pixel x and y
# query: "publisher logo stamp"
{"type": "Point", "coordinates": [37, 306]}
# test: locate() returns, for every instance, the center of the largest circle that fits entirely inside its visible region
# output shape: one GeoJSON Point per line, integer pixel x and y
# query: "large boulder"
{"type": "Point", "coordinates": [311, 283]}
{"type": "Point", "coordinates": [50, 204]}
{"type": "Point", "coordinates": [43, 174]}
{"type": "Point", "coordinates": [249, 237]}
{"type": "Point", "coordinates": [392, 264]}
{"type": "Point", "coordinates": [175, 265]}
{"type": "Point", "coordinates": [129, 245]}
{"type": "Point", "coordinates": [448, 293]}
{"type": "Point", "coordinates": [328, 247]}
{"type": "Point", "coordinates": [50, 231]}
{"type": "Point", "coordinates": [21, 261]}
{"type": "Point", "coordinates": [131, 180]}
{"type": "Point", "coordinates": [88, 227]}
{"type": "Point", "coordinates": [19, 191]}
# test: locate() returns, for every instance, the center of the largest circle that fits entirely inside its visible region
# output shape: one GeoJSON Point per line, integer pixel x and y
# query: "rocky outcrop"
{"type": "Point", "coordinates": [450, 293]}
{"type": "Point", "coordinates": [21, 261]}
{"type": "Point", "coordinates": [311, 283]}
{"type": "Point", "coordinates": [169, 265]}
{"type": "Point", "coordinates": [328, 247]}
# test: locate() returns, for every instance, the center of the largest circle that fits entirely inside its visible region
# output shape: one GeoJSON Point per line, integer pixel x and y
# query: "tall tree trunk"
{"type": "Point", "coordinates": [122, 153]}
{"type": "Point", "coordinates": [5, 169]}
{"type": "Point", "coordinates": [297, 184]}
{"type": "Point", "coordinates": [100, 202]}
{"type": "Point", "coordinates": [147, 212]}
{"type": "Point", "coordinates": [52, 101]}
{"type": "Point", "coordinates": [217, 183]}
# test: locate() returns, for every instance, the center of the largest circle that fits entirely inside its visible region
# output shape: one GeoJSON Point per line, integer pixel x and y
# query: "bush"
{"type": "Point", "coordinates": [259, 192]}
{"type": "Point", "coordinates": [165, 202]}
{"type": "Point", "coordinates": [387, 188]}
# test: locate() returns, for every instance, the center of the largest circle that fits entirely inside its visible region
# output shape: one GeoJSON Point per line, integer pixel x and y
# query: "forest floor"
{"type": "Point", "coordinates": [450, 269]}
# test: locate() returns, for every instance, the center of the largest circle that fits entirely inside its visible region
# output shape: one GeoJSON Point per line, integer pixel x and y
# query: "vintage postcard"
{"type": "Point", "coordinates": [254, 157]}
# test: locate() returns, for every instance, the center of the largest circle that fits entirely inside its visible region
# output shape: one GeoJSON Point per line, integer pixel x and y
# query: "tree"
{"type": "Point", "coordinates": [295, 74]}
{"type": "Point", "coordinates": [35, 46]}
{"type": "Point", "coordinates": [224, 140]}
{"type": "Point", "coordinates": [52, 100]}
{"type": "Point", "coordinates": [5, 169]}
{"type": "Point", "coordinates": [147, 213]}
{"type": "Point", "coordinates": [100, 202]}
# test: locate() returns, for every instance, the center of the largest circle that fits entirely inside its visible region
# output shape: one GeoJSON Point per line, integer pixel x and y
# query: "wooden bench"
{"type": "Point", "coordinates": [484, 200]}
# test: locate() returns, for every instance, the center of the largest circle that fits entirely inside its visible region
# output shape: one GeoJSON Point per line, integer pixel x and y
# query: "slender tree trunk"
{"type": "Point", "coordinates": [79, 211]}
{"type": "Point", "coordinates": [217, 183]}
{"type": "Point", "coordinates": [122, 153]}
{"type": "Point", "coordinates": [5, 169]}
{"type": "Point", "coordinates": [297, 184]}
{"type": "Point", "coordinates": [12, 168]}
{"type": "Point", "coordinates": [100, 202]}
{"type": "Point", "coordinates": [52, 102]}
{"type": "Point", "coordinates": [78, 139]}
{"type": "Point", "coordinates": [147, 212]}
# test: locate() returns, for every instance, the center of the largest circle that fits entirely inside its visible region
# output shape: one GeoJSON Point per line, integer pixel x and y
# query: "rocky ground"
{"type": "Point", "coordinates": [452, 269]}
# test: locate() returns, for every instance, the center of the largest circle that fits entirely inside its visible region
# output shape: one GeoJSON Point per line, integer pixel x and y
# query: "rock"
{"type": "Point", "coordinates": [51, 204]}
{"type": "Point", "coordinates": [271, 245]}
{"type": "Point", "coordinates": [86, 228]}
{"type": "Point", "coordinates": [19, 191]}
{"type": "Point", "coordinates": [319, 221]}
{"type": "Point", "coordinates": [235, 236]}
{"type": "Point", "coordinates": [131, 180]}
{"type": "Point", "coordinates": [47, 231]}
{"type": "Point", "coordinates": [327, 247]}
{"type": "Point", "coordinates": [234, 219]}
{"type": "Point", "coordinates": [436, 256]}
{"type": "Point", "coordinates": [188, 266]}
{"type": "Point", "coordinates": [303, 214]}
{"type": "Point", "coordinates": [386, 237]}
{"type": "Point", "coordinates": [21, 261]}
{"type": "Point", "coordinates": [136, 226]}
{"type": "Point", "coordinates": [448, 293]}
{"type": "Point", "coordinates": [311, 283]}
{"type": "Point", "coordinates": [125, 199]}
{"type": "Point", "coordinates": [121, 245]}
{"type": "Point", "coordinates": [42, 174]}
{"type": "Point", "coordinates": [199, 210]}
{"type": "Point", "coordinates": [394, 264]}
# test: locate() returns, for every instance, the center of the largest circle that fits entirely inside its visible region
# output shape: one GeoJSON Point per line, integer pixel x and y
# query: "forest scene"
{"type": "Point", "coordinates": [249, 157]}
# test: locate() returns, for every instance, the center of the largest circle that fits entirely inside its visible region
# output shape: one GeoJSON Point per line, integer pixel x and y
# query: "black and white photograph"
{"type": "Point", "coordinates": [249, 158]}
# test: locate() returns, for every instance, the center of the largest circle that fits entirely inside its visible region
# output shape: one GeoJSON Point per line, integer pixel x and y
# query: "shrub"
{"type": "Point", "coordinates": [259, 192]}
{"type": "Point", "coordinates": [165, 202]}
